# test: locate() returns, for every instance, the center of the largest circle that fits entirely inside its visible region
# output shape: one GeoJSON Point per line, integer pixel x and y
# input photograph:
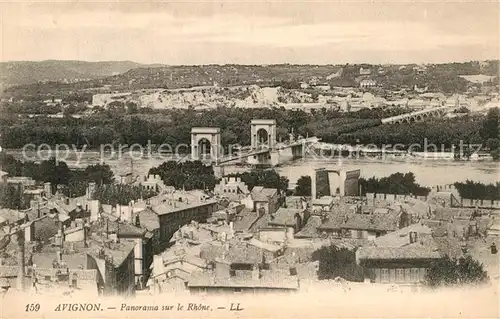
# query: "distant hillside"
{"type": "Point", "coordinates": [28, 72]}
{"type": "Point", "coordinates": [437, 77]}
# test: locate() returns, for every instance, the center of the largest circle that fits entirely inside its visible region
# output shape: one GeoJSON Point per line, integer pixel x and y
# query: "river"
{"type": "Point", "coordinates": [428, 172]}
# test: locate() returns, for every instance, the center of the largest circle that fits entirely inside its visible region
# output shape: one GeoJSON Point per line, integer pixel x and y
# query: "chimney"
{"type": "Point", "coordinates": [47, 187]}
{"type": "Point", "coordinates": [137, 221]}
{"type": "Point", "coordinates": [413, 237]}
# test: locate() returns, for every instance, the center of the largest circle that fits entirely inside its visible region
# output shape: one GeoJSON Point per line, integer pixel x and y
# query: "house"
{"type": "Point", "coordinates": [243, 268]}
{"type": "Point", "coordinates": [114, 261]}
{"type": "Point", "coordinates": [262, 200]}
{"type": "Point", "coordinates": [143, 250]}
{"type": "Point", "coordinates": [400, 257]}
{"type": "Point", "coordinates": [367, 83]}
{"type": "Point", "coordinates": [153, 183]}
{"type": "Point", "coordinates": [291, 219]}
{"type": "Point", "coordinates": [227, 281]}
{"type": "Point", "coordinates": [232, 188]}
{"type": "Point", "coordinates": [363, 222]}
{"type": "Point", "coordinates": [175, 213]}
{"type": "Point", "coordinates": [323, 204]}
{"type": "Point", "coordinates": [172, 269]}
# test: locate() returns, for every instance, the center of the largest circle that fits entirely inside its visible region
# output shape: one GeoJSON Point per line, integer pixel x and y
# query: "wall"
{"type": "Point", "coordinates": [75, 236]}
{"type": "Point", "coordinates": [125, 276]}
{"type": "Point", "coordinates": [273, 235]}
{"type": "Point", "coordinates": [139, 258]}
{"type": "Point", "coordinates": [395, 275]}
{"type": "Point", "coordinates": [464, 202]}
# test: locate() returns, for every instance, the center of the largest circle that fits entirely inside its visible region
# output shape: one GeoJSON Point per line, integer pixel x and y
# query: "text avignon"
{"type": "Point", "coordinates": [78, 307]}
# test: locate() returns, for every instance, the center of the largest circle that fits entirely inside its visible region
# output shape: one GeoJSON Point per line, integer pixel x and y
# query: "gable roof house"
{"type": "Point", "coordinates": [363, 222]}
{"type": "Point", "coordinates": [400, 257]}
{"type": "Point", "coordinates": [262, 200]}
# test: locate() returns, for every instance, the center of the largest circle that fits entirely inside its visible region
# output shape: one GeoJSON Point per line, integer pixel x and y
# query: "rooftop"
{"type": "Point", "coordinates": [176, 206]}
{"type": "Point", "coordinates": [412, 251]}
{"type": "Point", "coordinates": [110, 226]}
{"type": "Point", "coordinates": [400, 237]}
{"type": "Point", "coordinates": [244, 220]}
{"type": "Point", "coordinates": [271, 279]}
{"type": "Point", "coordinates": [378, 221]}
{"type": "Point", "coordinates": [118, 251]}
{"type": "Point", "coordinates": [262, 194]}
{"type": "Point", "coordinates": [285, 216]}
{"type": "Point", "coordinates": [310, 228]}
{"type": "Point", "coordinates": [149, 219]}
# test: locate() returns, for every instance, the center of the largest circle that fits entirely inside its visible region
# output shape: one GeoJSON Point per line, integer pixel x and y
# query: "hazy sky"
{"type": "Point", "coordinates": [251, 32]}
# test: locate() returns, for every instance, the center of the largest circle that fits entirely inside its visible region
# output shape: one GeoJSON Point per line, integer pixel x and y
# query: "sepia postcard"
{"type": "Point", "coordinates": [249, 159]}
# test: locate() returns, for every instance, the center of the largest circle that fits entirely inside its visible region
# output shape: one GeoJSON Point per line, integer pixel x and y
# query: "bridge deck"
{"type": "Point", "coordinates": [280, 146]}
{"type": "Point", "coordinates": [416, 113]}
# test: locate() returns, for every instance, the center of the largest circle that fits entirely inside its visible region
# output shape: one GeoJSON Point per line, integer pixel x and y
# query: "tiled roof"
{"type": "Point", "coordinates": [333, 222]}
{"type": "Point", "coordinates": [118, 251]}
{"type": "Point", "coordinates": [244, 220]}
{"type": "Point", "coordinates": [149, 220]}
{"type": "Point", "coordinates": [422, 249]}
{"type": "Point", "coordinates": [401, 236]}
{"type": "Point", "coordinates": [165, 208]}
{"type": "Point", "coordinates": [272, 279]}
{"type": "Point", "coordinates": [285, 216]}
{"type": "Point", "coordinates": [261, 194]}
{"type": "Point", "coordinates": [376, 221]}
{"type": "Point", "coordinates": [310, 229]}
{"type": "Point", "coordinates": [242, 253]}
{"type": "Point", "coordinates": [125, 229]}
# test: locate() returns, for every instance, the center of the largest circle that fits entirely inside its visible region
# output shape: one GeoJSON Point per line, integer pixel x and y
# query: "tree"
{"type": "Point", "coordinates": [132, 107]}
{"type": "Point", "coordinates": [303, 187]}
{"type": "Point", "coordinates": [490, 128]}
{"type": "Point", "coordinates": [263, 177]}
{"type": "Point", "coordinates": [397, 183]}
{"type": "Point", "coordinates": [187, 175]}
{"type": "Point", "coordinates": [335, 262]}
{"type": "Point", "coordinates": [448, 272]}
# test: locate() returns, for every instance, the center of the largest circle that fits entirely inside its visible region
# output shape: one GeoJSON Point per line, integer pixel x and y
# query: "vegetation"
{"type": "Point", "coordinates": [124, 125]}
{"type": "Point", "coordinates": [490, 132]}
{"type": "Point", "coordinates": [450, 272]}
{"type": "Point", "coordinates": [263, 177]}
{"type": "Point", "coordinates": [303, 187]}
{"type": "Point", "coordinates": [397, 183]}
{"type": "Point", "coordinates": [69, 182]}
{"type": "Point", "coordinates": [113, 194]}
{"type": "Point", "coordinates": [337, 262]}
{"type": "Point", "coordinates": [187, 175]}
{"type": "Point", "coordinates": [10, 197]}
{"type": "Point", "coordinates": [475, 190]}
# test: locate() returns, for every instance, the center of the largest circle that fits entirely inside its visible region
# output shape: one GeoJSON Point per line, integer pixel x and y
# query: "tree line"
{"type": "Point", "coordinates": [191, 175]}
{"type": "Point", "coordinates": [71, 183]}
{"type": "Point", "coordinates": [173, 127]}
{"type": "Point", "coordinates": [476, 190]}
